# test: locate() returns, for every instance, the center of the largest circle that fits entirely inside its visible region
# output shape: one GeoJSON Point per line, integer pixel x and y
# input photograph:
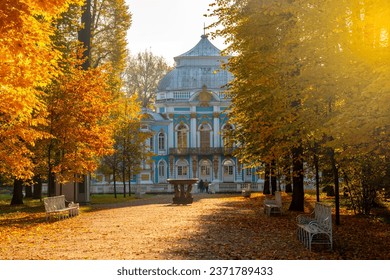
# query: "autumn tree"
{"type": "Point", "coordinates": [25, 46]}
{"type": "Point", "coordinates": [78, 152]}
{"type": "Point", "coordinates": [103, 36]}
{"type": "Point", "coordinates": [131, 147]}
{"type": "Point", "coordinates": [79, 105]}
{"type": "Point", "coordinates": [142, 75]}
{"type": "Point", "coordinates": [110, 20]}
{"type": "Point", "coordinates": [266, 105]}
{"type": "Point", "coordinates": [303, 71]}
{"type": "Point", "coordinates": [23, 24]}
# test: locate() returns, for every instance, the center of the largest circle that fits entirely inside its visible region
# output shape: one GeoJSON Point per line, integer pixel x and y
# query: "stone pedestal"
{"type": "Point", "coordinates": [182, 190]}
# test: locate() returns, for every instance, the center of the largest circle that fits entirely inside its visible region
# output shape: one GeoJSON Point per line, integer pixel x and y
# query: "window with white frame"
{"type": "Point", "coordinates": [205, 130]}
{"type": "Point", "coordinates": [161, 141]}
{"type": "Point", "coordinates": [161, 169]}
{"type": "Point", "coordinates": [182, 168]}
{"type": "Point", "coordinates": [151, 143]}
{"type": "Point", "coordinates": [182, 132]}
{"type": "Point", "coordinates": [205, 168]}
{"type": "Point", "coordinates": [227, 130]}
{"type": "Point", "coordinates": [228, 170]}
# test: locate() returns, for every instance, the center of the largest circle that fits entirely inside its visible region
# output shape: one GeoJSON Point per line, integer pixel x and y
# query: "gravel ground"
{"type": "Point", "coordinates": [213, 227]}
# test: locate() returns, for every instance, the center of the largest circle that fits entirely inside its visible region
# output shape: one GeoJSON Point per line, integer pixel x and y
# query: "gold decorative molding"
{"type": "Point", "coordinates": [215, 166]}
{"type": "Point", "coordinates": [204, 97]}
{"type": "Point", "coordinates": [171, 159]}
{"type": "Point", "coordinates": [194, 165]}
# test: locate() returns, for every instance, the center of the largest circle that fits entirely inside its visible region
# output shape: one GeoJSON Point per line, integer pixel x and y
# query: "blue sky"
{"type": "Point", "coordinates": [168, 28]}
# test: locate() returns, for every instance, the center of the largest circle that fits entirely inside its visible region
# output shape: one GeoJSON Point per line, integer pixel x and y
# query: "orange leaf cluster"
{"type": "Point", "coordinates": [79, 113]}
{"type": "Point", "coordinates": [27, 62]}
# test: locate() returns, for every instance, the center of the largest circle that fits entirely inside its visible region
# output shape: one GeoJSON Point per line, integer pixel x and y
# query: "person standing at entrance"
{"type": "Point", "coordinates": [201, 186]}
{"type": "Point", "coordinates": [206, 185]}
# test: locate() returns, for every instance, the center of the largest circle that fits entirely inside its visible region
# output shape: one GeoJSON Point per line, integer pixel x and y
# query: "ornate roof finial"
{"type": "Point", "coordinates": [204, 31]}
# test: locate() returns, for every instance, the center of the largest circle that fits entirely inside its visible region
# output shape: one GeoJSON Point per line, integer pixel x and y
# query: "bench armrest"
{"type": "Point", "coordinates": [305, 218]}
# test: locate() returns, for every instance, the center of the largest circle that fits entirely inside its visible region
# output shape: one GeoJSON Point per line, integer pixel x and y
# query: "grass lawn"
{"type": "Point", "coordinates": [35, 205]}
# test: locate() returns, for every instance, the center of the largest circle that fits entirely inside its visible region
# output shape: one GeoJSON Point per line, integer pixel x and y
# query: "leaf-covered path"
{"type": "Point", "coordinates": [213, 227]}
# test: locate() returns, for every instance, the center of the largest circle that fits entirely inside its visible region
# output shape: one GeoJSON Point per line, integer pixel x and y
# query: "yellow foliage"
{"type": "Point", "coordinates": [80, 106]}
{"type": "Point", "coordinates": [27, 63]}
{"type": "Point", "coordinates": [308, 72]}
{"type": "Point", "coordinates": [369, 26]}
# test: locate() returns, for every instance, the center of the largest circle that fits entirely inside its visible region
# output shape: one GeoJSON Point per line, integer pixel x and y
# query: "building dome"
{"type": "Point", "coordinates": [203, 48]}
{"type": "Point", "coordinates": [198, 67]}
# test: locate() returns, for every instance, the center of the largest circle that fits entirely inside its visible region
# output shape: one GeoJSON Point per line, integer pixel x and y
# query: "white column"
{"type": "Point", "coordinates": [217, 142]}
{"type": "Point", "coordinates": [193, 130]}
{"type": "Point", "coordinates": [171, 133]}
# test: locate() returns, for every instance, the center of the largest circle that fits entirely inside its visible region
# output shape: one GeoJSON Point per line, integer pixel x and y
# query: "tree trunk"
{"type": "Point", "coordinates": [273, 177]}
{"type": "Point", "coordinates": [266, 189]}
{"type": "Point", "coordinates": [288, 179]}
{"type": "Point", "coordinates": [317, 172]}
{"type": "Point", "coordinates": [37, 193]}
{"type": "Point", "coordinates": [327, 177]}
{"type": "Point", "coordinates": [129, 181]}
{"type": "Point", "coordinates": [17, 197]}
{"type": "Point", "coordinates": [336, 186]}
{"type": "Point", "coordinates": [28, 190]}
{"type": "Point", "coordinates": [84, 35]}
{"type": "Point", "coordinates": [51, 186]}
{"type": "Point", "coordinates": [124, 180]}
{"type": "Point", "coordinates": [114, 178]}
{"type": "Point", "coordinates": [297, 202]}
{"type": "Point", "coordinates": [50, 174]}
{"type": "Point", "coordinates": [386, 179]}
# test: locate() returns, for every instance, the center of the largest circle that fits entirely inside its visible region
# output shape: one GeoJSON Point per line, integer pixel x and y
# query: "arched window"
{"type": "Point", "coordinates": [161, 141]}
{"type": "Point", "coordinates": [162, 171]}
{"type": "Point", "coordinates": [248, 174]}
{"type": "Point", "coordinates": [205, 170]}
{"type": "Point", "coordinates": [228, 170]}
{"type": "Point", "coordinates": [182, 132]}
{"type": "Point", "coordinates": [205, 130]}
{"type": "Point", "coordinates": [227, 132]}
{"type": "Point", "coordinates": [182, 169]}
{"type": "Point", "coordinates": [151, 143]}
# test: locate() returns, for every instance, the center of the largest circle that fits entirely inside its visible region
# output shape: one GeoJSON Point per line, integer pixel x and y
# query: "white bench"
{"type": "Point", "coordinates": [55, 206]}
{"type": "Point", "coordinates": [274, 206]}
{"type": "Point", "coordinates": [246, 193]}
{"type": "Point", "coordinates": [316, 228]}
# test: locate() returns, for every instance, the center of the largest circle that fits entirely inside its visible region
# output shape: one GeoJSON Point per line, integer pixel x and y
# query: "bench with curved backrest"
{"type": "Point", "coordinates": [55, 206]}
{"type": "Point", "coordinates": [246, 190]}
{"type": "Point", "coordinates": [316, 228]}
{"type": "Point", "coordinates": [274, 206]}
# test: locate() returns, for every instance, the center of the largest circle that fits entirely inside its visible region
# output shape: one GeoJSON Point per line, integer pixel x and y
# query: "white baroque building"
{"type": "Point", "coordinates": [189, 123]}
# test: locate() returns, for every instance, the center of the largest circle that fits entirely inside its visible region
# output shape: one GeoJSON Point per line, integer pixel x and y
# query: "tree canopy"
{"type": "Point", "coordinates": [310, 73]}
{"type": "Point", "coordinates": [142, 75]}
{"type": "Point", "coordinates": [25, 46]}
{"type": "Point", "coordinates": [56, 116]}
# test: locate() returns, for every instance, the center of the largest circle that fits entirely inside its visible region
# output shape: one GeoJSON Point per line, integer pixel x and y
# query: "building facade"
{"type": "Point", "coordinates": [189, 127]}
{"type": "Point", "coordinates": [190, 124]}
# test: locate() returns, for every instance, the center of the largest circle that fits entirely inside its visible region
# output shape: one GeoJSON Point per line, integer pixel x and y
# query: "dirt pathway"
{"type": "Point", "coordinates": [213, 227]}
